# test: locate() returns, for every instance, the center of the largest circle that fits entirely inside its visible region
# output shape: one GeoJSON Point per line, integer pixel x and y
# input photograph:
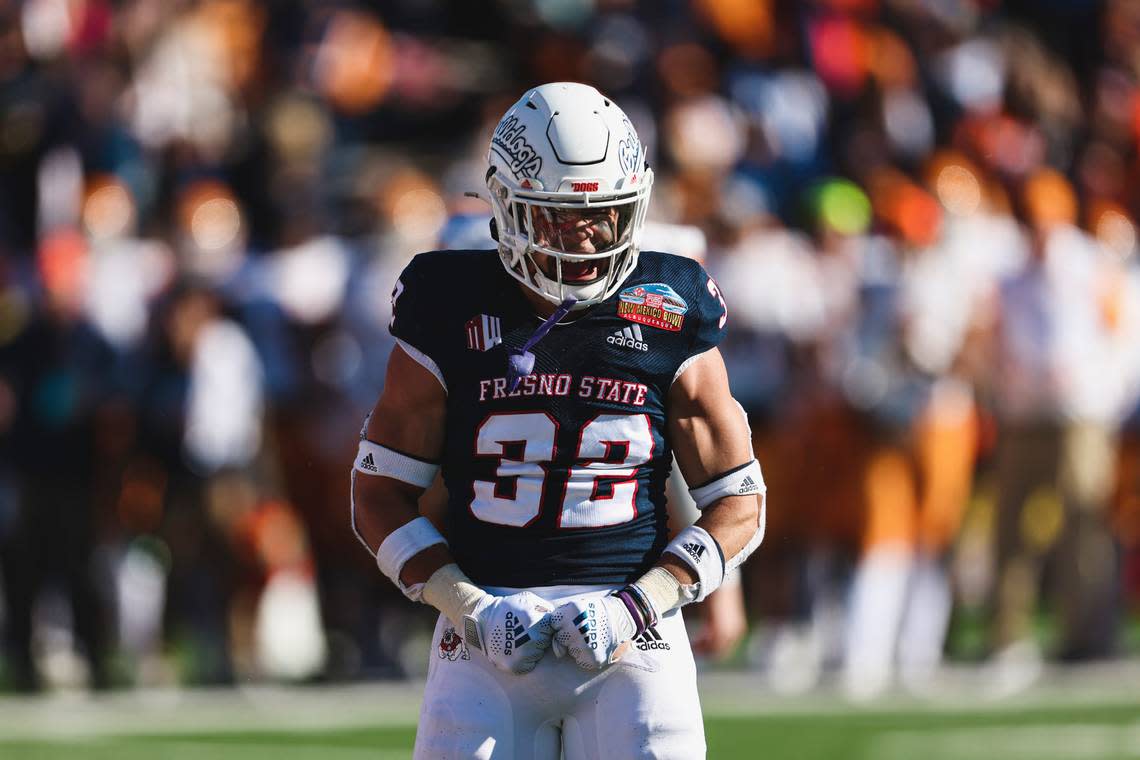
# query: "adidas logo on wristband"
{"type": "Point", "coordinates": [696, 551]}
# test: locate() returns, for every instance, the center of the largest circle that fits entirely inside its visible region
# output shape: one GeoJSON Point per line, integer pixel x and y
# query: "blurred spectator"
{"type": "Point", "coordinates": [945, 291]}
{"type": "Point", "coordinates": [200, 387]}
{"type": "Point", "coordinates": [1061, 389]}
{"type": "Point", "coordinates": [62, 379]}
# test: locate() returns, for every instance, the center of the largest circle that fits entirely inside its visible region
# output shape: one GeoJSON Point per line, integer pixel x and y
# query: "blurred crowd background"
{"type": "Point", "coordinates": [921, 213]}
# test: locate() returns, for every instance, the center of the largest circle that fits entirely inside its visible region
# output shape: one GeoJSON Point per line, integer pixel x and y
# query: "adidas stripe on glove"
{"type": "Point", "coordinates": [592, 630]}
{"type": "Point", "coordinates": [513, 632]}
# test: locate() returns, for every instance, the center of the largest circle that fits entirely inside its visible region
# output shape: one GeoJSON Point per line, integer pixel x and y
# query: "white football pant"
{"type": "Point", "coordinates": [644, 706]}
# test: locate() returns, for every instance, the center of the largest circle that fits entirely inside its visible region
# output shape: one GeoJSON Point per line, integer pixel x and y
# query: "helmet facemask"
{"type": "Point", "coordinates": [569, 244]}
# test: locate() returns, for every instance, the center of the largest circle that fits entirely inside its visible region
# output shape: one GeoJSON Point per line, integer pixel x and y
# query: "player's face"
{"type": "Point", "coordinates": [574, 231]}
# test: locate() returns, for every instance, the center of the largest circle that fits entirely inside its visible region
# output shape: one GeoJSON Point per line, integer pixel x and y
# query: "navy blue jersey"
{"type": "Point", "coordinates": [563, 480]}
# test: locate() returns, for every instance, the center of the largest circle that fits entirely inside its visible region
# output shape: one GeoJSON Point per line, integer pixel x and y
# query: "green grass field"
{"type": "Point", "coordinates": [1062, 721]}
{"type": "Point", "coordinates": [1109, 732]}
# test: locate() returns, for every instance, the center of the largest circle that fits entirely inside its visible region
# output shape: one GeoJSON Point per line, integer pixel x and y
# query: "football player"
{"type": "Point", "coordinates": [551, 381]}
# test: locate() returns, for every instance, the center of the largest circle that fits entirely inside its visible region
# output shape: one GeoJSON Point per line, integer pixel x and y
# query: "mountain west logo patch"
{"type": "Point", "coordinates": [451, 647]}
{"type": "Point", "coordinates": [654, 304]}
{"type": "Point", "coordinates": [483, 332]}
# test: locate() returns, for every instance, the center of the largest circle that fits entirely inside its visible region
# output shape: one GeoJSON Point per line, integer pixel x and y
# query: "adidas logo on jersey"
{"type": "Point", "coordinates": [696, 551]}
{"type": "Point", "coordinates": [650, 639]}
{"type": "Point", "coordinates": [748, 486]}
{"type": "Point", "coordinates": [368, 463]}
{"type": "Point", "coordinates": [629, 337]}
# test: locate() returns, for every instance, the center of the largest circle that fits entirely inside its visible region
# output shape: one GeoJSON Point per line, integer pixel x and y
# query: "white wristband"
{"type": "Point", "coordinates": [700, 551]}
{"type": "Point", "coordinates": [402, 544]}
{"type": "Point", "coordinates": [739, 481]}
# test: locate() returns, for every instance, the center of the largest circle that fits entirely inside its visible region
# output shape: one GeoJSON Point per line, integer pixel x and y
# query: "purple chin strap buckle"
{"type": "Point", "coordinates": [520, 361]}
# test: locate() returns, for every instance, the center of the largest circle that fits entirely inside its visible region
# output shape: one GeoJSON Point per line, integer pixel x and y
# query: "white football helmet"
{"type": "Point", "coordinates": [569, 189]}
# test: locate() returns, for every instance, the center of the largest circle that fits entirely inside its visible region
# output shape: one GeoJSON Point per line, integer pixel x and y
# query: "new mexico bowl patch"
{"type": "Point", "coordinates": [654, 304]}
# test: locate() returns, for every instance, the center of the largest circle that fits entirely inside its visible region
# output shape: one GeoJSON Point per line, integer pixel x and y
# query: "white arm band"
{"type": "Point", "coordinates": [374, 459]}
{"type": "Point", "coordinates": [739, 481]}
{"type": "Point", "coordinates": [699, 550]}
{"type": "Point", "coordinates": [402, 544]}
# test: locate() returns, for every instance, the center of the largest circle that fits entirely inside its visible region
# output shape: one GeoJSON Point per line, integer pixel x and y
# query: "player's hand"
{"type": "Point", "coordinates": [513, 632]}
{"type": "Point", "coordinates": [595, 631]}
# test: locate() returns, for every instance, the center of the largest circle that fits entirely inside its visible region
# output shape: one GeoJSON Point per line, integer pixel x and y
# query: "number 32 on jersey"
{"type": "Point", "coordinates": [599, 489]}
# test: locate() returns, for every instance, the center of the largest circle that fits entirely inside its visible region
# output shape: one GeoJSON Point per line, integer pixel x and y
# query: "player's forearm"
{"type": "Point", "coordinates": [732, 521]}
{"type": "Point", "coordinates": [387, 520]}
{"type": "Point", "coordinates": [384, 508]}
{"type": "Point", "coordinates": [696, 562]}
{"type": "Point", "coordinates": [679, 570]}
{"type": "Point", "coordinates": [381, 505]}
{"type": "Point", "coordinates": [422, 566]}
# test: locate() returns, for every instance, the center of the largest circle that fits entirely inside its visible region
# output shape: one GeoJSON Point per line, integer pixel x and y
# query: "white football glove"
{"type": "Point", "coordinates": [593, 630]}
{"type": "Point", "coordinates": [512, 631]}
